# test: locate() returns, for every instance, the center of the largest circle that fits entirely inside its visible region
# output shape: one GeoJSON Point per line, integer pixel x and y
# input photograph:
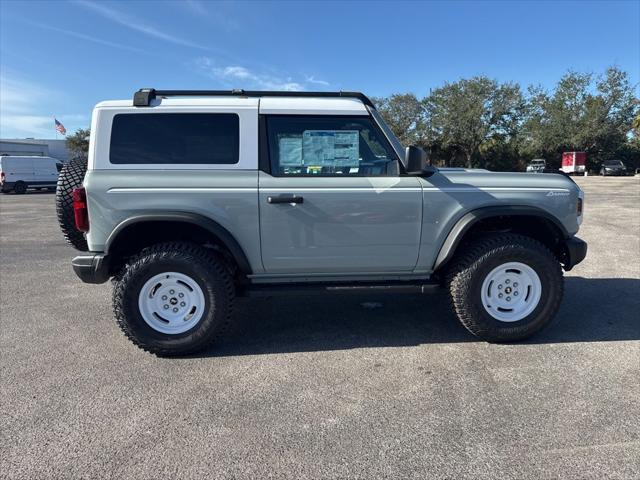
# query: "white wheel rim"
{"type": "Point", "coordinates": [171, 303]}
{"type": "Point", "coordinates": [511, 291]}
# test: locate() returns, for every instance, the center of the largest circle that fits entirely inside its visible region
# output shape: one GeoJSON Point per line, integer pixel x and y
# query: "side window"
{"type": "Point", "coordinates": [175, 138]}
{"type": "Point", "coordinates": [322, 145]}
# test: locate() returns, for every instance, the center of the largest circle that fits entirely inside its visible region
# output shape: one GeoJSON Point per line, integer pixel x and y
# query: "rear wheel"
{"type": "Point", "coordinates": [20, 188]}
{"type": "Point", "coordinates": [506, 287]}
{"type": "Point", "coordinates": [173, 299]}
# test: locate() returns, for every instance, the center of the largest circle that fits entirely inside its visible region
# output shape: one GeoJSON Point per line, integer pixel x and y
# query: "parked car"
{"type": "Point", "coordinates": [537, 165]}
{"type": "Point", "coordinates": [188, 203]}
{"type": "Point", "coordinates": [613, 167]}
{"type": "Point", "coordinates": [18, 173]}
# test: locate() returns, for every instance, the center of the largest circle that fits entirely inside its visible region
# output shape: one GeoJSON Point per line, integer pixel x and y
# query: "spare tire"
{"type": "Point", "coordinates": [71, 176]}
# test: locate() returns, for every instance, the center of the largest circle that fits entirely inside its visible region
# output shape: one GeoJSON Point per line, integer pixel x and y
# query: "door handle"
{"type": "Point", "coordinates": [286, 199]}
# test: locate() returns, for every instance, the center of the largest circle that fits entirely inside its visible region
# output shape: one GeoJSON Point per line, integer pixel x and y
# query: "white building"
{"type": "Point", "coordinates": [35, 146]}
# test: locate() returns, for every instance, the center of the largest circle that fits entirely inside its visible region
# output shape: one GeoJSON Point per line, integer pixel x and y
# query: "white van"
{"type": "Point", "coordinates": [17, 173]}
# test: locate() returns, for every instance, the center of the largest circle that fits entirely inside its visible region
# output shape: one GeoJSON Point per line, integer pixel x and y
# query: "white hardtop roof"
{"type": "Point", "coordinates": [274, 105]}
{"type": "Point", "coordinates": [185, 102]}
{"type": "Point", "coordinates": [311, 105]}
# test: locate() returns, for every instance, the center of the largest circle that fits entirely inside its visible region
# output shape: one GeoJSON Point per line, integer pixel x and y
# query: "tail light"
{"type": "Point", "coordinates": [80, 209]}
{"type": "Point", "coordinates": [580, 206]}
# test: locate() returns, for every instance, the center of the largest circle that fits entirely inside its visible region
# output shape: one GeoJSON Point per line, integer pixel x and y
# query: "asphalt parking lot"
{"type": "Point", "coordinates": [321, 387]}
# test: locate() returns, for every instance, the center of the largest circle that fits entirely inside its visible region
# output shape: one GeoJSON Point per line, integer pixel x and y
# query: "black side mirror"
{"type": "Point", "coordinates": [415, 161]}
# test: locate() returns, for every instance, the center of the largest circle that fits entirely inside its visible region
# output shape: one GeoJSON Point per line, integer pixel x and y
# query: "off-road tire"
{"type": "Point", "coordinates": [480, 257]}
{"type": "Point", "coordinates": [197, 262]}
{"type": "Point", "coordinates": [20, 188]}
{"type": "Point", "coordinates": [71, 176]}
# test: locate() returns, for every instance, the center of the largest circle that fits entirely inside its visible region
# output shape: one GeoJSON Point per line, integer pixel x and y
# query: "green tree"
{"type": "Point", "coordinates": [636, 126]}
{"type": "Point", "coordinates": [405, 115]}
{"type": "Point", "coordinates": [583, 113]}
{"type": "Point", "coordinates": [78, 143]}
{"type": "Point", "coordinates": [464, 115]}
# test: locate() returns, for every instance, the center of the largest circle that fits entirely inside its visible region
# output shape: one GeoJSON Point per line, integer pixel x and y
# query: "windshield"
{"type": "Point", "coordinates": [613, 163]}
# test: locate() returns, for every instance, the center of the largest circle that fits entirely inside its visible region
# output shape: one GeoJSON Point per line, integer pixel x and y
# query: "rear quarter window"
{"type": "Point", "coordinates": [175, 138]}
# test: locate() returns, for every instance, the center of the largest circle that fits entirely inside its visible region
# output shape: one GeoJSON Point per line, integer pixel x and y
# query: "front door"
{"type": "Point", "coordinates": [334, 200]}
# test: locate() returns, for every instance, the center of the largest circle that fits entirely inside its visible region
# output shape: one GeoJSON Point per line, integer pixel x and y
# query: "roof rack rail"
{"type": "Point", "coordinates": [143, 97]}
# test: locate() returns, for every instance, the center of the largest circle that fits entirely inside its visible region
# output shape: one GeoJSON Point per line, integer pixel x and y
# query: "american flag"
{"type": "Point", "coordinates": [60, 127]}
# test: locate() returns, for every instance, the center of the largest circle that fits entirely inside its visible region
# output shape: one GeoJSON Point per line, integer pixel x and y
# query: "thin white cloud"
{"type": "Point", "coordinates": [136, 24]}
{"type": "Point", "coordinates": [88, 38]}
{"type": "Point", "coordinates": [238, 76]}
{"type": "Point", "coordinates": [32, 126]}
{"type": "Point", "coordinates": [235, 73]}
{"type": "Point", "coordinates": [21, 109]}
{"type": "Point", "coordinates": [19, 95]}
{"type": "Point", "coordinates": [315, 81]}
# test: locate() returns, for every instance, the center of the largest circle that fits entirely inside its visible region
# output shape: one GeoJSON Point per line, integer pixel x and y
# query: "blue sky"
{"type": "Point", "coordinates": [61, 57]}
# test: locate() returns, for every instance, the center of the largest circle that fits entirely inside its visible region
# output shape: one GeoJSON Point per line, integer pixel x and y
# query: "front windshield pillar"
{"type": "Point", "coordinates": [393, 140]}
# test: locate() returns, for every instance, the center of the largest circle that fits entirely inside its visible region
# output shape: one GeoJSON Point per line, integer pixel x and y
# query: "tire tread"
{"type": "Point", "coordinates": [71, 176]}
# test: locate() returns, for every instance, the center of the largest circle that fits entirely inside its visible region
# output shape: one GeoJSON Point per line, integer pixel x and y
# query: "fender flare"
{"type": "Point", "coordinates": [469, 219]}
{"type": "Point", "coordinates": [208, 224]}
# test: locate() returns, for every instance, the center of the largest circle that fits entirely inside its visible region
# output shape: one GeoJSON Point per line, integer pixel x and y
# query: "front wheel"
{"type": "Point", "coordinates": [506, 287]}
{"type": "Point", "coordinates": [173, 299]}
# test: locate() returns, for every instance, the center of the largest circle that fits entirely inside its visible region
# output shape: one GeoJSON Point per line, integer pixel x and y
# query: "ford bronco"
{"type": "Point", "coordinates": [189, 199]}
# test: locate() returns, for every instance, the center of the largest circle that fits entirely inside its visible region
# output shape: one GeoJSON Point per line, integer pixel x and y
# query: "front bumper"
{"type": "Point", "coordinates": [92, 267]}
{"type": "Point", "coordinates": [576, 251]}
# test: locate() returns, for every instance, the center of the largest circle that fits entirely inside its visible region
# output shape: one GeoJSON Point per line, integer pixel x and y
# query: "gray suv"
{"type": "Point", "coordinates": [190, 199]}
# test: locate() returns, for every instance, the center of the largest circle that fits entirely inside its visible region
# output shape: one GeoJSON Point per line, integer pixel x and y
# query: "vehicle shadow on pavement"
{"type": "Point", "coordinates": [596, 310]}
{"type": "Point", "coordinates": [593, 310]}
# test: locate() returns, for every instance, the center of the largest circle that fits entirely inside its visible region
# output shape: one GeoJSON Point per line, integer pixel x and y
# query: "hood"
{"type": "Point", "coordinates": [484, 178]}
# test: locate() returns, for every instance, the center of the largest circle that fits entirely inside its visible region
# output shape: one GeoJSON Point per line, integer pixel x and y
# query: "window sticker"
{"type": "Point", "coordinates": [327, 148]}
{"type": "Point", "coordinates": [290, 151]}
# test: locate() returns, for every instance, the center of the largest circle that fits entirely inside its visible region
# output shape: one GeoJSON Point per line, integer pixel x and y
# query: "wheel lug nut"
{"type": "Point", "coordinates": [506, 281]}
{"type": "Point", "coordinates": [172, 292]}
{"type": "Point", "coordinates": [181, 295]}
{"type": "Point", "coordinates": [499, 287]}
{"type": "Point", "coordinates": [182, 304]}
{"type": "Point", "coordinates": [515, 294]}
{"type": "Point", "coordinates": [499, 295]}
{"type": "Point", "coordinates": [175, 310]}
{"type": "Point", "coordinates": [166, 306]}
{"type": "Point", "coordinates": [508, 299]}
{"type": "Point", "coordinates": [164, 297]}
{"type": "Point", "coordinates": [515, 285]}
